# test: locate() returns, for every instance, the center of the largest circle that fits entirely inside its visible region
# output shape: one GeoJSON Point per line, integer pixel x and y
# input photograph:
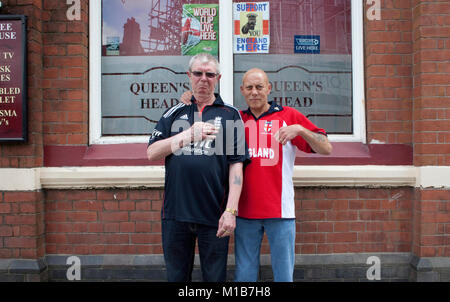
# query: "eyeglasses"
{"type": "Point", "coordinates": [199, 74]}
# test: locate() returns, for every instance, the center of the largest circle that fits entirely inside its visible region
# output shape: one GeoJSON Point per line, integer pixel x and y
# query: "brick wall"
{"type": "Point", "coordinates": [431, 71]}
{"type": "Point", "coordinates": [82, 222]}
{"type": "Point", "coordinates": [22, 225]}
{"type": "Point", "coordinates": [353, 220]}
{"type": "Point", "coordinates": [431, 223]}
{"type": "Point", "coordinates": [65, 70]}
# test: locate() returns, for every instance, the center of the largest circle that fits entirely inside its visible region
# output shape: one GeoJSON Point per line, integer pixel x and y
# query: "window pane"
{"type": "Point", "coordinates": [309, 63]}
{"type": "Point", "coordinates": [143, 69]}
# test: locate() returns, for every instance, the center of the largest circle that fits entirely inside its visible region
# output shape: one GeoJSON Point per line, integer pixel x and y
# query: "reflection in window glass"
{"type": "Point", "coordinates": [309, 62]}
{"type": "Point", "coordinates": [143, 69]}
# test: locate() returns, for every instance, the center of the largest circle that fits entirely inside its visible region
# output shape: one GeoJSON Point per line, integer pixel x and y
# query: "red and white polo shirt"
{"type": "Point", "coordinates": [268, 190]}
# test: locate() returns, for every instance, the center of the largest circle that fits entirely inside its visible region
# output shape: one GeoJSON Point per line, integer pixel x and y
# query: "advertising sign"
{"type": "Point", "coordinates": [13, 96]}
{"type": "Point", "coordinates": [307, 44]}
{"type": "Point", "coordinates": [200, 29]}
{"type": "Point", "coordinates": [251, 27]}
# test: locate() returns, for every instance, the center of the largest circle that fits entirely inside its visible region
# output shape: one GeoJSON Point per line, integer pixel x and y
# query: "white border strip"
{"type": "Point", "coordinates": [153, 177]}
{"type": "Point", "coordinates": [432, 176]}
{"type": "Point", "coordinates": [376, 176]}
{"type": "Point", "coordinates": [19, 179]}
{"type": "Point", "coordinates": [102, 177]}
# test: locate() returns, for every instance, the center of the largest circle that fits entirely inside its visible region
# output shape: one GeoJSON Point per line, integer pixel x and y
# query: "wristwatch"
{"type": "Point", "coordinates": [232, 211]}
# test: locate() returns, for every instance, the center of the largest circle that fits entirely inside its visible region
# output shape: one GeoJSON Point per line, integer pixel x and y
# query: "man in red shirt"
{"type": "Point", "coordinates": [273, 134]}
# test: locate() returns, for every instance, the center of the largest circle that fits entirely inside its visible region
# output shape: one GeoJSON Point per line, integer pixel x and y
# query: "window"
{"type": "Point", "coordinates": [137, 69]}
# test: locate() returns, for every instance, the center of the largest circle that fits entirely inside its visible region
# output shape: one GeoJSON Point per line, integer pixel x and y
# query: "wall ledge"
{"type": "Point", "coordinates": [153, 177]}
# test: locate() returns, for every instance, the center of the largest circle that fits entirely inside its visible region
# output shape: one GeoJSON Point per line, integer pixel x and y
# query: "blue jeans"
{"type": "Point", "coordinates": [248, 237]}
{"type": "Point", "coordinates": [179, 238]}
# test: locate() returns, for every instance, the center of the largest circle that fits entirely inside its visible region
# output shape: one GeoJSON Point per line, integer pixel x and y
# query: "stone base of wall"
{"type": "Point", "coordinates": [401, 267]}
{"type": "Point", "coordinates": [23, 270]}
{"type": "Point", "coordinates": [430, 269]}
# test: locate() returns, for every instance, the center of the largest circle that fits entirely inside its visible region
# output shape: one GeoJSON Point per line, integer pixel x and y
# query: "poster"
{"type": "Point", "coordinates": [251, 27]}
{"type": "Point", "coordinates": [200, 29]}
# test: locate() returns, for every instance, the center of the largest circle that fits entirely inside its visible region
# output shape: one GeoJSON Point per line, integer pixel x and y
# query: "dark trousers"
{"type": "Point", "coordinates": [179, 238]}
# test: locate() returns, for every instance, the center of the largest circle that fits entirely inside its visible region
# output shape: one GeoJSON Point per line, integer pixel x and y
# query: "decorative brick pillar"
{"type": "Point", "coordinates": [388, 66]}
{"type": "Point", "coordinates": [66, 69]}
{"type": "Point", "coordinates": [431, 135]}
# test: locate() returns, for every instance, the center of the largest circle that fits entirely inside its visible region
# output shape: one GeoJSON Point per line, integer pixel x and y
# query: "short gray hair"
{"type": "Point", "coordinates": [203, 58]}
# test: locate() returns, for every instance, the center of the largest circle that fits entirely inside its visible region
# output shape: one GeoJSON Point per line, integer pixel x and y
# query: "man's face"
{"type": "Point", "coordinates": [256, 89]}
{"type": "Point", "coordinates": [203, 77]}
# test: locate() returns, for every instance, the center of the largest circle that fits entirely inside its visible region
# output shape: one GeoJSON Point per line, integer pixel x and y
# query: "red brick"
{"type": "Point", "coordinates": [143, 227]}
{"type": "Point", "coordinates": [111, 205]}
{"type": "Point", "coordinates": [5, 208]}
{"type": "Point", "coordinates": [115, 238]}
{"type": "Point", "coordinates": [127, 227]}
{"type": "Point", "coordinates": [341, 194]}
{"type": "Point", "coordinates": [111, 227]}
{"type": "Point", "coordinates": [5, 231]}
{"type": "Point", "coordinates": [435, 195]}
{"type": "Point", "coordinates": [308, 227]}
{"type": "Point", "coordinates": [145, 238]}
{"type": "Point", "coordinates": [83, 238]}
{"type": "Point", "coordinates": [144, 194]}
{"type": "Point", "coordinates": [92, 205]}
{"type": "Point", "coordinates": [81, 216]}
{"type": "Point", "coordinates": [114, 216]}
{"type": "Point", "coordinates": [20, 219]}
{"type": "Point", "coordinates": [341, 237]}
{"type": "Point", "coordinates": [20, 197]}
{"type": "Point", "coordinates": [20, 242]}
{"type": "Point", "coordinates": [144, 216]}
{"type": "Point", "coordinates": [95, 227]}
{"type": "Point", "coordinates": [312, 237]}
{"type": "Point", "coordinates": [127, 205]}
{"type": "Point", "coordinates": [145, 206]}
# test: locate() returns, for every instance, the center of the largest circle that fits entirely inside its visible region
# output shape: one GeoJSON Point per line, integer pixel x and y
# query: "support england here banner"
{"type": "Point", "coordinates": [251, 27]}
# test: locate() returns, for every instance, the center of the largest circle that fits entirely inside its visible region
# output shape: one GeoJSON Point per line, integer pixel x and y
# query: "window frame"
{"type": "Point", "coordinates": [226, 82]}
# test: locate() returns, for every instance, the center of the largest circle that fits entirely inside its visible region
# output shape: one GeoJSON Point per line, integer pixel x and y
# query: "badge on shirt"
{"type": "Point", "coordinates": [268, 127]}
{"type": "Point", "coordinates": [218, 122]}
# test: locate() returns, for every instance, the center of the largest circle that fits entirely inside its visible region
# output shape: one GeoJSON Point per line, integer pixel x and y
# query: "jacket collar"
{"type": "Point", "coordinates": [274, 107]}
{"type": "Point", "coordinates": [217, 101]}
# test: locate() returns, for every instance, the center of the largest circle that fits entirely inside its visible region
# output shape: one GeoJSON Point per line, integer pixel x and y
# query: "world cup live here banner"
{"type": "Point", "coordinates": [251, 27]}
{"type": "Point", "coordinates": [200, 29]}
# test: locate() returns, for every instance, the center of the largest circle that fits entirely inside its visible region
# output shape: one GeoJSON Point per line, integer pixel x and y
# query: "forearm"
{"type": "Point", "coordinates": [227, 222]}
{"type": "Point", "coordinates": [318, 142]}
{"type": "Point", "coordinates": [235, 185]}
{"type": "Point", "coordinates": [165, 147]}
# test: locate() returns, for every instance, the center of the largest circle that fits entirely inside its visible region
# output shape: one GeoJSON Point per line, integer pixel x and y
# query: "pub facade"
{"type": "Point", "coordinates": [83, 83]}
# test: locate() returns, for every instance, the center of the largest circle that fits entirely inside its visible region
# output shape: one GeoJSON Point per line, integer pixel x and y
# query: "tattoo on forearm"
{"type": "Point", "coordinates": [237, 180]}
{"type": "Point", "coordinates": [319, 137]}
